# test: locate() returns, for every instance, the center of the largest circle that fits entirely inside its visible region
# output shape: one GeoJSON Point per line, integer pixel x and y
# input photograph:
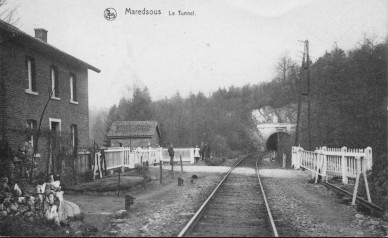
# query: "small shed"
{"type": "Point", "coordinates": [134, 134]}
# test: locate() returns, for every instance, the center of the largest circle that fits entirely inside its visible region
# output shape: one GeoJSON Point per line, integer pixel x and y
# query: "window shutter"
{"type": "Point", "coordinates": [56, 80]}
{"type": "Point", "coordinates": [33, 76]}
{"type": "Point", "coordinates": [76, 136]}
{"type": "Point", "coordinates": [74, 88]}
{"type": "Point", "coordinates": [26, 70]}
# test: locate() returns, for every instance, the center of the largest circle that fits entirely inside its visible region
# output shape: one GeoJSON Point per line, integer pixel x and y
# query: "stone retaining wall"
{"type": "Point", "coordinates": [46, 202]}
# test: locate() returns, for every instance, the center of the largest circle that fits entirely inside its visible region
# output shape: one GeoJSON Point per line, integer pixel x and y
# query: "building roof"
{"type": "Point", "coordinates": [18, 36]}
{"type": "Point", "coordinates": [133, 129]}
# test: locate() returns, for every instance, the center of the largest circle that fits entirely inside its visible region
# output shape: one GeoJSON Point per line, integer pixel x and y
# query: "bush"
{"type": "Point", "coordinates": [17, 226]}
{"type": "Point", "coordinates": [378, 181]}
{"type": "Point", "coordinates": [86, 176]}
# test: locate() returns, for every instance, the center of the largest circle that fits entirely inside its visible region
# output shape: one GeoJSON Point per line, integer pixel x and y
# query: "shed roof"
{"type": "Point", "coordinates": [133, 129]}
{"type": "Point", "coordinates": [21, 37]}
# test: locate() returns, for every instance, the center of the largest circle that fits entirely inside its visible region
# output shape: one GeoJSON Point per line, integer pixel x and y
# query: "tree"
{"type": "Point", "coordinates": [139, 108]}
{"type": "Point", "coordinates": [97, 121]}
{"type": "Point", "coordinates": [287, 71]}
{"type": "Point", "coordinates": [7, 13]}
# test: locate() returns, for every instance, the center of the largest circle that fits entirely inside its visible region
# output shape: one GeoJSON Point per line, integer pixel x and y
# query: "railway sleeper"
{"type": "Point", "coordinates": [235, 202]}
{"type": "Point", "coordinates": [233, 221]}
{"type": "Point", "coordinates": [241, 207]}
{"type": "Point", "coordinates": [237, 213]}
{"type": "Point", "coordinates": [230, 231]}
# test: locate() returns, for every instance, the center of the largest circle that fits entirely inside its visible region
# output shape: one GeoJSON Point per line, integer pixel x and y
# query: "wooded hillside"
{"type": "Point", "coordinates": [349, 104]}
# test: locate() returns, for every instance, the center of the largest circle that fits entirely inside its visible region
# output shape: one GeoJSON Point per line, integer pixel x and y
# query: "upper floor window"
{"type": "Point", "coordinates": [31, 75]}
{"type": "Point", "coordinates": [73, 88]}
{"type": "Point", "coordinates": [54, 82]}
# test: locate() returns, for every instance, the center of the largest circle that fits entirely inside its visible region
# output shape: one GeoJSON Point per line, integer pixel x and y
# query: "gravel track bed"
{"type": "Point", "coordinates": [166, 214]}
{"type": "Point", "coordinates": [164, 217]}
{"type": "Point", "coordinates": [303, 209]}
{"type": "Point", "coordinates": [237, 209]}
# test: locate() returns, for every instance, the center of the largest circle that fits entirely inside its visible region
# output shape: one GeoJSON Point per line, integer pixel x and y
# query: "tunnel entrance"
{"type": "Point", "coordinates": [281, 143]}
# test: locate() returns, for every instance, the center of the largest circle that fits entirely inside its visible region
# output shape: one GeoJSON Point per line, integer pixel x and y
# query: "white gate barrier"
{"type": "Point", "coordinates": [123, 157]}
{"type": "Point", "coordinates": [342, 162]}
{"type": "Point", "coordinates": [187, 155]}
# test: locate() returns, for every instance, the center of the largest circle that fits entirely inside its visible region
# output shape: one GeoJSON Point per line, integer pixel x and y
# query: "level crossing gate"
{"type": "Point", "coordinates": [341, 162]}
{"type": "Point", "coordinates": [123, 157]}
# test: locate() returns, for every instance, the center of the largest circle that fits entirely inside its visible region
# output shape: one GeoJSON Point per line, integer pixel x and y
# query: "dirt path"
{"type": "Point", "coordinates": [304, 209]}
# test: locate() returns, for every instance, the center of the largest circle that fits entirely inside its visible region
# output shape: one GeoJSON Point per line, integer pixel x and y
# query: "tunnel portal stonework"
{"type": "Point", "coordinates": [270, 121]}
{"type": "Point", "coordinates": [270, 130]}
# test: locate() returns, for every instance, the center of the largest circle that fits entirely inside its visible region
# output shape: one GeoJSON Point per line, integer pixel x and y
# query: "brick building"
{"type": "Point", "coordinates": [134, 134]}
{"type": "Point", "coordinates": [30, 71]}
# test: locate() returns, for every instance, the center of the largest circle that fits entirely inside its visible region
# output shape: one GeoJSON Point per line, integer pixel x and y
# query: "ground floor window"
{"type": "Point", "coordinates": [74, 136]}
{"type": "Point", "coordinates": [55, 125]}
{"type": "Point", "coordinates": [31, 128]}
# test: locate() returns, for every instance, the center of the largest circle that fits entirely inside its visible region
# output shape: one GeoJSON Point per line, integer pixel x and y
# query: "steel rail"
{"type": "Point", "coordinates": [272, 222]}
{"type": "Point", "coordinates": [358, 199]}
{"type": "Point", "coordinates": [193, 221]}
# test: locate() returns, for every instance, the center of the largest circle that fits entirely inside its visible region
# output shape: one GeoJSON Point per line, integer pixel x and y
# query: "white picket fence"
{"type": "Point", "coordinates": [123, 157]}
{"type": "Point", "coordinates": [343, 162]}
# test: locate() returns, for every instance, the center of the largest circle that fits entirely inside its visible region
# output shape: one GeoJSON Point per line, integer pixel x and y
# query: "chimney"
{"type": "Point", "coordinates": [41, 34]}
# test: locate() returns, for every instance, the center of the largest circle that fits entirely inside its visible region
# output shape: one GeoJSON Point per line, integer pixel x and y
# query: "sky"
{"type": "Point", "coordinates": [224, 43]}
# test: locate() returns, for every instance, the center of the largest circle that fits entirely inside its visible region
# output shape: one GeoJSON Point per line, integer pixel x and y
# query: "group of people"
{"type": "Point", "coordinates": [199, 152]}
{"type": "Point", "coordinates": [202, 152]}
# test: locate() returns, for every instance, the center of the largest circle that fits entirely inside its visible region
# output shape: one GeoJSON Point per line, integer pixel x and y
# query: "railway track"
{"type": "Point", "coordinates": [237, 206]}
{"type": "Point", "coordinates": [373, 208]}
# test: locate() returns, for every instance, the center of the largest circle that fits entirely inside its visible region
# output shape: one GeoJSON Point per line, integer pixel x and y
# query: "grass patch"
{"type": "Point", "coordinates": [108, 183]}
{"type": "Point", "coordinates": [216, 161]}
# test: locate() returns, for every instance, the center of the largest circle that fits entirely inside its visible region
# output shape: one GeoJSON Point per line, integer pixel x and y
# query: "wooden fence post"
{"type": "Point", "coordinates": [368, 156]}
{"type": "Point", "coordinates": [172, 167]}
{"type": "Point", "coordinates": [344, 166]}
{"type": "Point", "coordinates": [94, 167]}
{"type": "Point", "coordinates": [312, 160]}
{"type": "Point", "coordinates": [141, 164]}
{"type": "Point", "coordinates": [144, 173]}
{"type": "Point", "coordinates": [366, 179]}
{"type": "Point", "coordinates": [357, 180]}
{"type": "Point", "coordinates": [324, 167]}
{"type": "Point", "coordinates": [318, 161]}
{"type": "Point", "coordinates": [118, 184]}
{"type": "Point", "coordinates": [160, 171]}
{"type": "Point", "coordinates": [99, 166]}
{"type": "Point", "coordinates": [300, 156]}
{"type": "Point", "coordinates": [122, 159]}
{"type": "Point", "coordinates": [324, 170]}
{"type": "Point", "coordinates": [180, 157]}
{"type": "Point", "coordinates": [149, 154]}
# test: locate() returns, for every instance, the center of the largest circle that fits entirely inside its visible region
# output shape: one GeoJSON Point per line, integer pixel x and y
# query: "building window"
{"type": "Point", "coordinates": [54, 82]}
{"type": "Point", "coordinates": [74, 137]}
{"type": "Point", "coordinates": [73, 88]}
{"type": "Point", "coordinates": [31, 128]}
{"type": "Point", "coordinates": [55, 125]}
{"type": "Point", "coordinates": [31, 75]}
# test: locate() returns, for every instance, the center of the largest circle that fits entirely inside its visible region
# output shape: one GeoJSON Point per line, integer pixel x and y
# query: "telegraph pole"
{"type": "Point", "coordinates": [297, 140]}
{"type": "Point", "coordinates": [308, 93]}
{"type": "Point", "coordinates": [306, 68]}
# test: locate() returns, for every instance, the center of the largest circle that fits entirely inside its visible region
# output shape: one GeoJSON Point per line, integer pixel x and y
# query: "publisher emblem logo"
{"type": "Point", "coordinates": [110, 14]}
